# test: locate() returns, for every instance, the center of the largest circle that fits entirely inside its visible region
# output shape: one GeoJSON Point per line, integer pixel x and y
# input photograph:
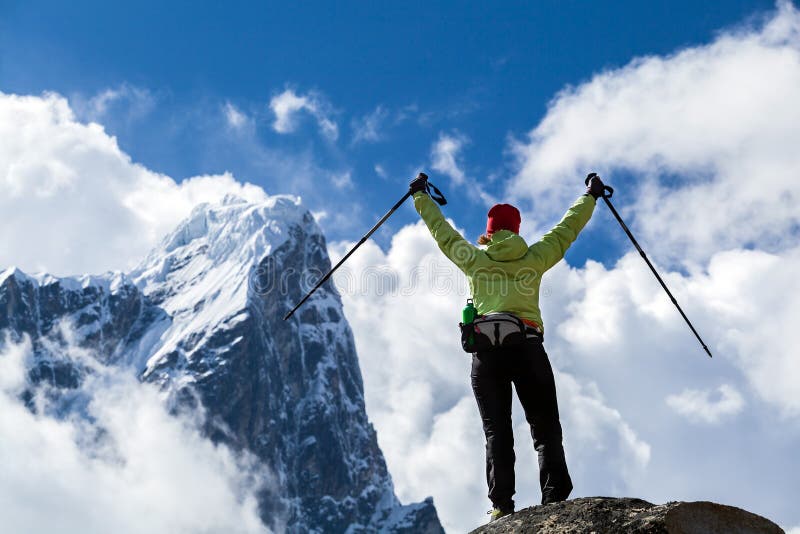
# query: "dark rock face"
{"type": "Point", "coordinates": [606, 515]}
{"type": "Point", "coordinates": [202, 318]}
{"type": "Point", "coordinates": [101, 318]}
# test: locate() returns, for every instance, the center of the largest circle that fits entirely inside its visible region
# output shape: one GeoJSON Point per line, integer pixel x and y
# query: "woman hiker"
{"type": "Point", "coordinates": [504, 278]}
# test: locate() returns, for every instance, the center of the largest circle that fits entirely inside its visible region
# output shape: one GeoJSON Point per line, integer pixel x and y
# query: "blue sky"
{"type": "Point", "coordinates": [484, 71]}
{"type": "Point", "coordinates": [689, 110]}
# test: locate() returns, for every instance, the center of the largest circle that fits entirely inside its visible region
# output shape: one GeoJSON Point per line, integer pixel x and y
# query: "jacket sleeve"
{"type": "Point", "coordinates": [452, 243]}
{"type": "Point", "coordinates": [554, 244]}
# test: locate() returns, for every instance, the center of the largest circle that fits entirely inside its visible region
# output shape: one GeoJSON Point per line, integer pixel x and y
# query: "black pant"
{"type": "Point", "coordinates": [529, 369]}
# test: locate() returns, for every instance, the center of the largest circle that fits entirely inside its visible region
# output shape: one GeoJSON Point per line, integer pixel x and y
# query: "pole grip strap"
{"type": "Point", "coordinates": [438, 197]}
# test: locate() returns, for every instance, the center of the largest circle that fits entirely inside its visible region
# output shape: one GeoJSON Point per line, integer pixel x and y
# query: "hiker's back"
{"type": "Point", "coordinates": [505, 278]}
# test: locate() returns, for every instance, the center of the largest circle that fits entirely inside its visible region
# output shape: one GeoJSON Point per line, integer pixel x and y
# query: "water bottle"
{"type": "Point", "coordinates": [468, 316]}
{"type": "Point", "coordinates": [468, 313]}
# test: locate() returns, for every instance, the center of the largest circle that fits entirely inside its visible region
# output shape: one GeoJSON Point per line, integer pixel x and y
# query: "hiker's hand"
{"type": "Point", "coordinates": [420, 183]}
{"type": "Point", "coordinates": [595, 186]}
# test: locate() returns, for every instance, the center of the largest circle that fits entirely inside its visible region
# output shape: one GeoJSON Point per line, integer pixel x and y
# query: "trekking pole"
{"type": "Point", "coordinates": [607, 193]}
{"type": "Point", "coordinates": [438, 197]}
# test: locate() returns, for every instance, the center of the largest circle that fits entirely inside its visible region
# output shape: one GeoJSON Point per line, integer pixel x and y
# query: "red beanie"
{"type": "Point", "coordinates": [503, 217]}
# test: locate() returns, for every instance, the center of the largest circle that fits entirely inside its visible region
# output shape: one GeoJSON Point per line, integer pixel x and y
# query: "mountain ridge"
{"type": "Point", "coordinates": [201, 317]}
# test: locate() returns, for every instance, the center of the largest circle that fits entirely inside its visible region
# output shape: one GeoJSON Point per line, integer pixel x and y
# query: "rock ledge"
{"type": "Point", "coordinates": [607, 515]}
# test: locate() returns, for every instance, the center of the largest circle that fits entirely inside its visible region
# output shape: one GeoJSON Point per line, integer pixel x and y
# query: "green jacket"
{"type": "Point", "coordinates": [506, 276]}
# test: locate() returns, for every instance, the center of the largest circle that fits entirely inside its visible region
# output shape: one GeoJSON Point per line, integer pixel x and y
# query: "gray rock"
{"type": "Point", "coordinates": [607, 515]}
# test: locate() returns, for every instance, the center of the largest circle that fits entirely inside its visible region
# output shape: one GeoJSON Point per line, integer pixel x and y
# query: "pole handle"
{"type": "Point", "coordinates": [608, 191]}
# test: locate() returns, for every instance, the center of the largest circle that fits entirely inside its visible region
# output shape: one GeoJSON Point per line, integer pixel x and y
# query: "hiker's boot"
{"type": "Point", "coordinates": [497, 513]}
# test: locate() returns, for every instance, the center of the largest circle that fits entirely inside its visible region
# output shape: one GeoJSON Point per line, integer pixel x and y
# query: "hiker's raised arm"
{"type": "Point", "coordinates": [452, 243]}
{"type": "Point", "coordinates": [554, 244]}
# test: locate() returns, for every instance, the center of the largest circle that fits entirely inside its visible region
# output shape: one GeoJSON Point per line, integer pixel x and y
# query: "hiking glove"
{"type": "Point", "coordinates": [420, 183]}
{"type": "Point", "coordinates": [595, 187]}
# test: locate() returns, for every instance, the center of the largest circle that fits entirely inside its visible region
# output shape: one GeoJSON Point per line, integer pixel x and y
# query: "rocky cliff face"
{"type": "Point", "coordinates": [201, 317]}
{"type": "Point", "coordinates": [608, 515]}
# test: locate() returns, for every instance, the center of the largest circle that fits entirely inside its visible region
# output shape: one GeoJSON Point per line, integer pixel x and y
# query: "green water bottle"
{"type": "Point", "coordinates": [467, 316]}
{"type": "Point", "coordinates": [468, 313]}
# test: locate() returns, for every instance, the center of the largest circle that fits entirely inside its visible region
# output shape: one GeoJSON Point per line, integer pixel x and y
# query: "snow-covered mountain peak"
{"type": "Point", "coordinates": [236, 225]}
{"type": "Point", "coordinates": [10, 272]}
{"type": "Point", "coordinates": [233, 233]}
{"type": "Point", "coordinates": [201, 273]}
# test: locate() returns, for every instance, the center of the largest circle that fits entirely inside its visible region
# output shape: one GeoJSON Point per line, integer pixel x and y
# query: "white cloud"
{"type": "Point", "coordinates": [288, 104]}
{"type": "Point", "coordinates": [593, 426]}
{"type": "Point", "coordinates": [236, 119]}
{"type": "Point", "coordinates": [741, 304]}
{"type": "Point", "coordinates": [342, 180]}
{"type": "Point", "coordinates": [285, 105]}
{"type": "Point", "coordinates": [445, 157]}
{"type": "Point", "coordinates": [368, 127]}
{"type": "Point", "coordinates": [709, 135]}
{"type": "Point", "coordinates": [709, 407]}
{"type": "Point", "coordinates": [73, 202]}
{"type": "Point", "coordinates": [445, 154]}
{"type": "Point", "coordinates": [124, 466]}
{"type": "Point", "coordinates": [754, 298]}
{"type": "Point", "coordinates": [134, 102]}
